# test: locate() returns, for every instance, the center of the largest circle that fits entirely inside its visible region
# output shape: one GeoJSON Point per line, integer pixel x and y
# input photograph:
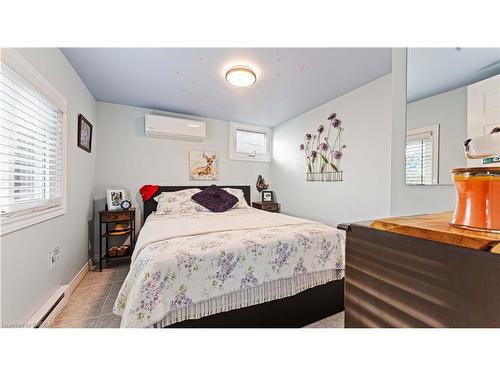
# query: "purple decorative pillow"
{"type": "Point", "coordinates": [215, 199]}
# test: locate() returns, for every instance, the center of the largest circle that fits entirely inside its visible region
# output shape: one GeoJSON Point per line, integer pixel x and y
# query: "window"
{"type": "Point", "coordinates": [251, 143]}
{"type": "Point", "coordinates": [422, 155]}
{"type": "Point", "coordinates": [32, 148]}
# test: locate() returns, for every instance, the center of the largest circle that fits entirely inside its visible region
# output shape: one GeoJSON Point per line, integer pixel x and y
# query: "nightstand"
{"type": "Point", "coordinates": [267, 206]}
{"type": "Point", "coordinates": [106, 218]}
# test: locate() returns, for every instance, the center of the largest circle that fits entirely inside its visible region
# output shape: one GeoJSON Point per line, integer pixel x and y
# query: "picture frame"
{"type": "Point", "coordinates": [114, 198]}
{"type": "Point", "coordinates": [267, 196]}
{"type": "Point", "coordinates": [203, 166]}
{"type": "Point", "coordinates": [84, 133]}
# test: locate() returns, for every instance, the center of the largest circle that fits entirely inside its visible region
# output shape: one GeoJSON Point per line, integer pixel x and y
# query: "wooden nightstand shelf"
{"type": "Point", "coordinates": [126, 217]}
{"type": "Point", "coordinates": [267, 206]}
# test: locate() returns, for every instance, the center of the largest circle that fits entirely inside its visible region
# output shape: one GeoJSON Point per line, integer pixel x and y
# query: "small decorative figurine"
{"type": "Point", "coordinates": [261, 184]}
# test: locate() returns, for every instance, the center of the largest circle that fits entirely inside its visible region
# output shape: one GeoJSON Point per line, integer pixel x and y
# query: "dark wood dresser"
{"type": "Point", "coordinates": [418, 271]}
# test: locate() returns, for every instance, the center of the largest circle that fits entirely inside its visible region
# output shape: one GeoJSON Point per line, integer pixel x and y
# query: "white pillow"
{"type": "Point", "coordinates": [178, 202]}
{"type": "Point", "coordinates": [238, 193]}
{"type": "Point", "coordinates": [179, 194]}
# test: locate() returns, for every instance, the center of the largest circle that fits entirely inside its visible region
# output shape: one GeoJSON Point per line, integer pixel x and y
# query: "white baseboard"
{"type": "Point", "coordinates": [48, 313]}
{"type": "Point", "coordinates": [78, 278]}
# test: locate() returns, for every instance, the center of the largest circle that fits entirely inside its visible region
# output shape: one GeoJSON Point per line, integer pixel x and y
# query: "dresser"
{"type": "Point", "coordinates": [418, 271]}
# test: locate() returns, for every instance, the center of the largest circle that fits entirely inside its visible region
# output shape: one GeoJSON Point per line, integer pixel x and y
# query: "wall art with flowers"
{"type": "Point", "coordinates": [323, 151]}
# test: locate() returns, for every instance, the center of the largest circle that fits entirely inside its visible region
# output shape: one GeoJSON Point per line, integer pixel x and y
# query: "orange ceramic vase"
{"type": "Point", "coordinates": [478, 198]}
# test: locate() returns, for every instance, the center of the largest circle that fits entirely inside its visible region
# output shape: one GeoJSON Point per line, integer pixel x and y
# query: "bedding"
{"type": "Point", "coordinates": [178, 202]}
{"type": "Point", "coordinates": [238, 193]}
{"type": "Point", "coordinates": [189, 265]}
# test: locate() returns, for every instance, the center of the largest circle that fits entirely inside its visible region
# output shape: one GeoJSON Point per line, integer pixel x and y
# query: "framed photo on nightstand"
{"type": "Point", "coordinates": [114, 198]}
{"type": "Point", "coordinates": [267, 196]}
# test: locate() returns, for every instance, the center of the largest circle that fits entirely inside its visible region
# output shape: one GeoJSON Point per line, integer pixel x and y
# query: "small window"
{"type": "Point", "coordinates": [247, 142]}
{"type": "Point", "coordinates": [422, 156]}
{"type": "Point", "coordinates": [31, 156]}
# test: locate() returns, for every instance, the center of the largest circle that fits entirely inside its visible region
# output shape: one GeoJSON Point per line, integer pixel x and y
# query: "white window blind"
{"type": "Point", "coordinates": [421, 155]}
{"type": "Point", "coordinates": [252, 143]}
{"type": "Point", "coordinates": [31, 143]}
{"type": "Point", "coordinates": [419, 161]}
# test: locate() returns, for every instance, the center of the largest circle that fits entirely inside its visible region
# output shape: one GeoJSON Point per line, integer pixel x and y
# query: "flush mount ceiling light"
{"type": "Point", "coordinates": [241, 76]}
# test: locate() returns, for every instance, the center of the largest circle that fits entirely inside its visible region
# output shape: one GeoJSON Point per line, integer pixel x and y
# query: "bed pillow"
{"type": "Point", "coordinates": [177, 202]}
{"type": "Point", "coordinates": [238, 193]}
{"type": "Point", "coordinates": [215, 199]}
{"type": "Point", "coordinates": [180, 194]}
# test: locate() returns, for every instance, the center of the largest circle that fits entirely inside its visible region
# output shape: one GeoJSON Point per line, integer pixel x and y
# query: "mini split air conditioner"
{"type": "Point", "coordinates": [174, 128]}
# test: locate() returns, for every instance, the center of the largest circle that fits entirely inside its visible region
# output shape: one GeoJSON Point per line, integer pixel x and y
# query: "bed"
{"type": "Point", "coordinates": [240, 268]}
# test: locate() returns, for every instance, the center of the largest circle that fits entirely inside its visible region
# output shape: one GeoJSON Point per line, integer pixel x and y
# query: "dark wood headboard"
{"type": "Point", "coordinates": [150, 205]}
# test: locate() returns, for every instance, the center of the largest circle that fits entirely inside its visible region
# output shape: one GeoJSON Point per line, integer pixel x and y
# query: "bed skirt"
{"type": "Point", "coordinates": [266, 292]}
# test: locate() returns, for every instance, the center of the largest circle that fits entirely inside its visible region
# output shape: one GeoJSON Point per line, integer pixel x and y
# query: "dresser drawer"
{"type": "Point", "coordinates": [108, 217]}
{"type": "Point", "coordinates": [270, 207]}
{"type": "Point", "coordinates": [267, 206]}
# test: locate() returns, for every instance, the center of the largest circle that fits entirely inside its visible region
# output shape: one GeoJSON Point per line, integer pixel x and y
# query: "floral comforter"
{"type": "Point", "coordinates": [184, 259]}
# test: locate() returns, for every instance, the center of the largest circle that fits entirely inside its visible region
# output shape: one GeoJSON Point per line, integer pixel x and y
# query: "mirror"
{"type": "Point", "coordinates": [448, 94]}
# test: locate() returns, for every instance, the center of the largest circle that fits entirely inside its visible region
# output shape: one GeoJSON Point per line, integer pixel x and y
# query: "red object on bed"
{"type": "Point", "coordinates": [147, 191]}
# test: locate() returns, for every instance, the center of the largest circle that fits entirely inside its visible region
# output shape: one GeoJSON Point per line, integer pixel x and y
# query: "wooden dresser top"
{"type": "Point", "coordinates": [436, 227]}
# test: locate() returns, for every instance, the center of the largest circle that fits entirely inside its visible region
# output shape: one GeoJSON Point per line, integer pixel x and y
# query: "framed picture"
{"type": "Point", "coordinates": [84, 133]}
{"type": "Point", "coordinates": [114, 198]}
{"type": "Point", "coordinates": [203, 166]}
{"type": "Point", "coordinates": [267, 196]}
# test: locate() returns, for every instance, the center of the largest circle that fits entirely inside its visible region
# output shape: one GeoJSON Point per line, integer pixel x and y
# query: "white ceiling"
{"type": "Point", "coordinates": [432, 71]}
{"type": "Point", "coordinates": [191, 80]}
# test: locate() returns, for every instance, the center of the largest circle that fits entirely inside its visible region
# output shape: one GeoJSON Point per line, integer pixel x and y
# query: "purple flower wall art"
{"type": "Point", "coordinates": [323, 151]}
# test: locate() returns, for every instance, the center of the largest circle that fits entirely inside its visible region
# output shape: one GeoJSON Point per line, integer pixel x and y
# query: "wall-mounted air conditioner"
{"type": "Point", "coordinates": [175, 128]}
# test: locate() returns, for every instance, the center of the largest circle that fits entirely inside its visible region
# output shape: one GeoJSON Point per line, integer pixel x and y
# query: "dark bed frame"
{"type": "Point", "coordinates": [150, 204]}
{"type": "Point", "coordinates": [299, 310]}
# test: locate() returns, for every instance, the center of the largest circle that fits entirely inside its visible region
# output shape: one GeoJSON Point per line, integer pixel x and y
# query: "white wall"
{"type": "Point", "coordinates": [409, 200]}
{"type": "Point", "coordinates": [26, 280]}
{"type": "Point", "coordinates": [365, 192]}
{"type": "Point", "coordinates": [449, 110]}
{"type": "Point", "coordinates": [128, 159]}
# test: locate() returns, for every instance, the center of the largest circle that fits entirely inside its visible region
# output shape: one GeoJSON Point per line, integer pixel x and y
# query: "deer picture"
{"type": "Point", "coordinates": [207, 170]}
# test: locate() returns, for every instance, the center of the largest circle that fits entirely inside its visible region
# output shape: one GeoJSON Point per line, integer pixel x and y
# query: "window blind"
{"type": "Point", "coordinates": [31, 148]}
{"type": "Point", "coordinates": [419, 160]}
{"type": "Point", "coordinates": [248, 142]}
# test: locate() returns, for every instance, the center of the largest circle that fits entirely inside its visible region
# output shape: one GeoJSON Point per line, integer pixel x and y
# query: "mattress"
{"type": "Point", "coordinates": [186, 266]}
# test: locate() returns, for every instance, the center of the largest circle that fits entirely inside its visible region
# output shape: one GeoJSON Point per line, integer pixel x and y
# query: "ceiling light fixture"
{"type": "Point", "coordinates": [241, 76]}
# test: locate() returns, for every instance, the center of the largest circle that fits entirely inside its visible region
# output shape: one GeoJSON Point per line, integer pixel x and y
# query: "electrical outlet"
{"type": "Point", "coordinates": [53, 256]}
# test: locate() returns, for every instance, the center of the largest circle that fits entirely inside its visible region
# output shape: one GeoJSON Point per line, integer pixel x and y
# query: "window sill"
{"type": "Point", "coordinates": [9, 225]}
{"type": "Point", "coordinates": [245, 157]}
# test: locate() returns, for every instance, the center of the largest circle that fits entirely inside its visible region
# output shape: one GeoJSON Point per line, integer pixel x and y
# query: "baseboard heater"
{"type": "Point", "coordinates": [47, 313]}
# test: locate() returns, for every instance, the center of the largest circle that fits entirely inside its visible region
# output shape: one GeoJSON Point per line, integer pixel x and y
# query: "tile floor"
{"type": "Point", "coordinates": [91, 305]}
